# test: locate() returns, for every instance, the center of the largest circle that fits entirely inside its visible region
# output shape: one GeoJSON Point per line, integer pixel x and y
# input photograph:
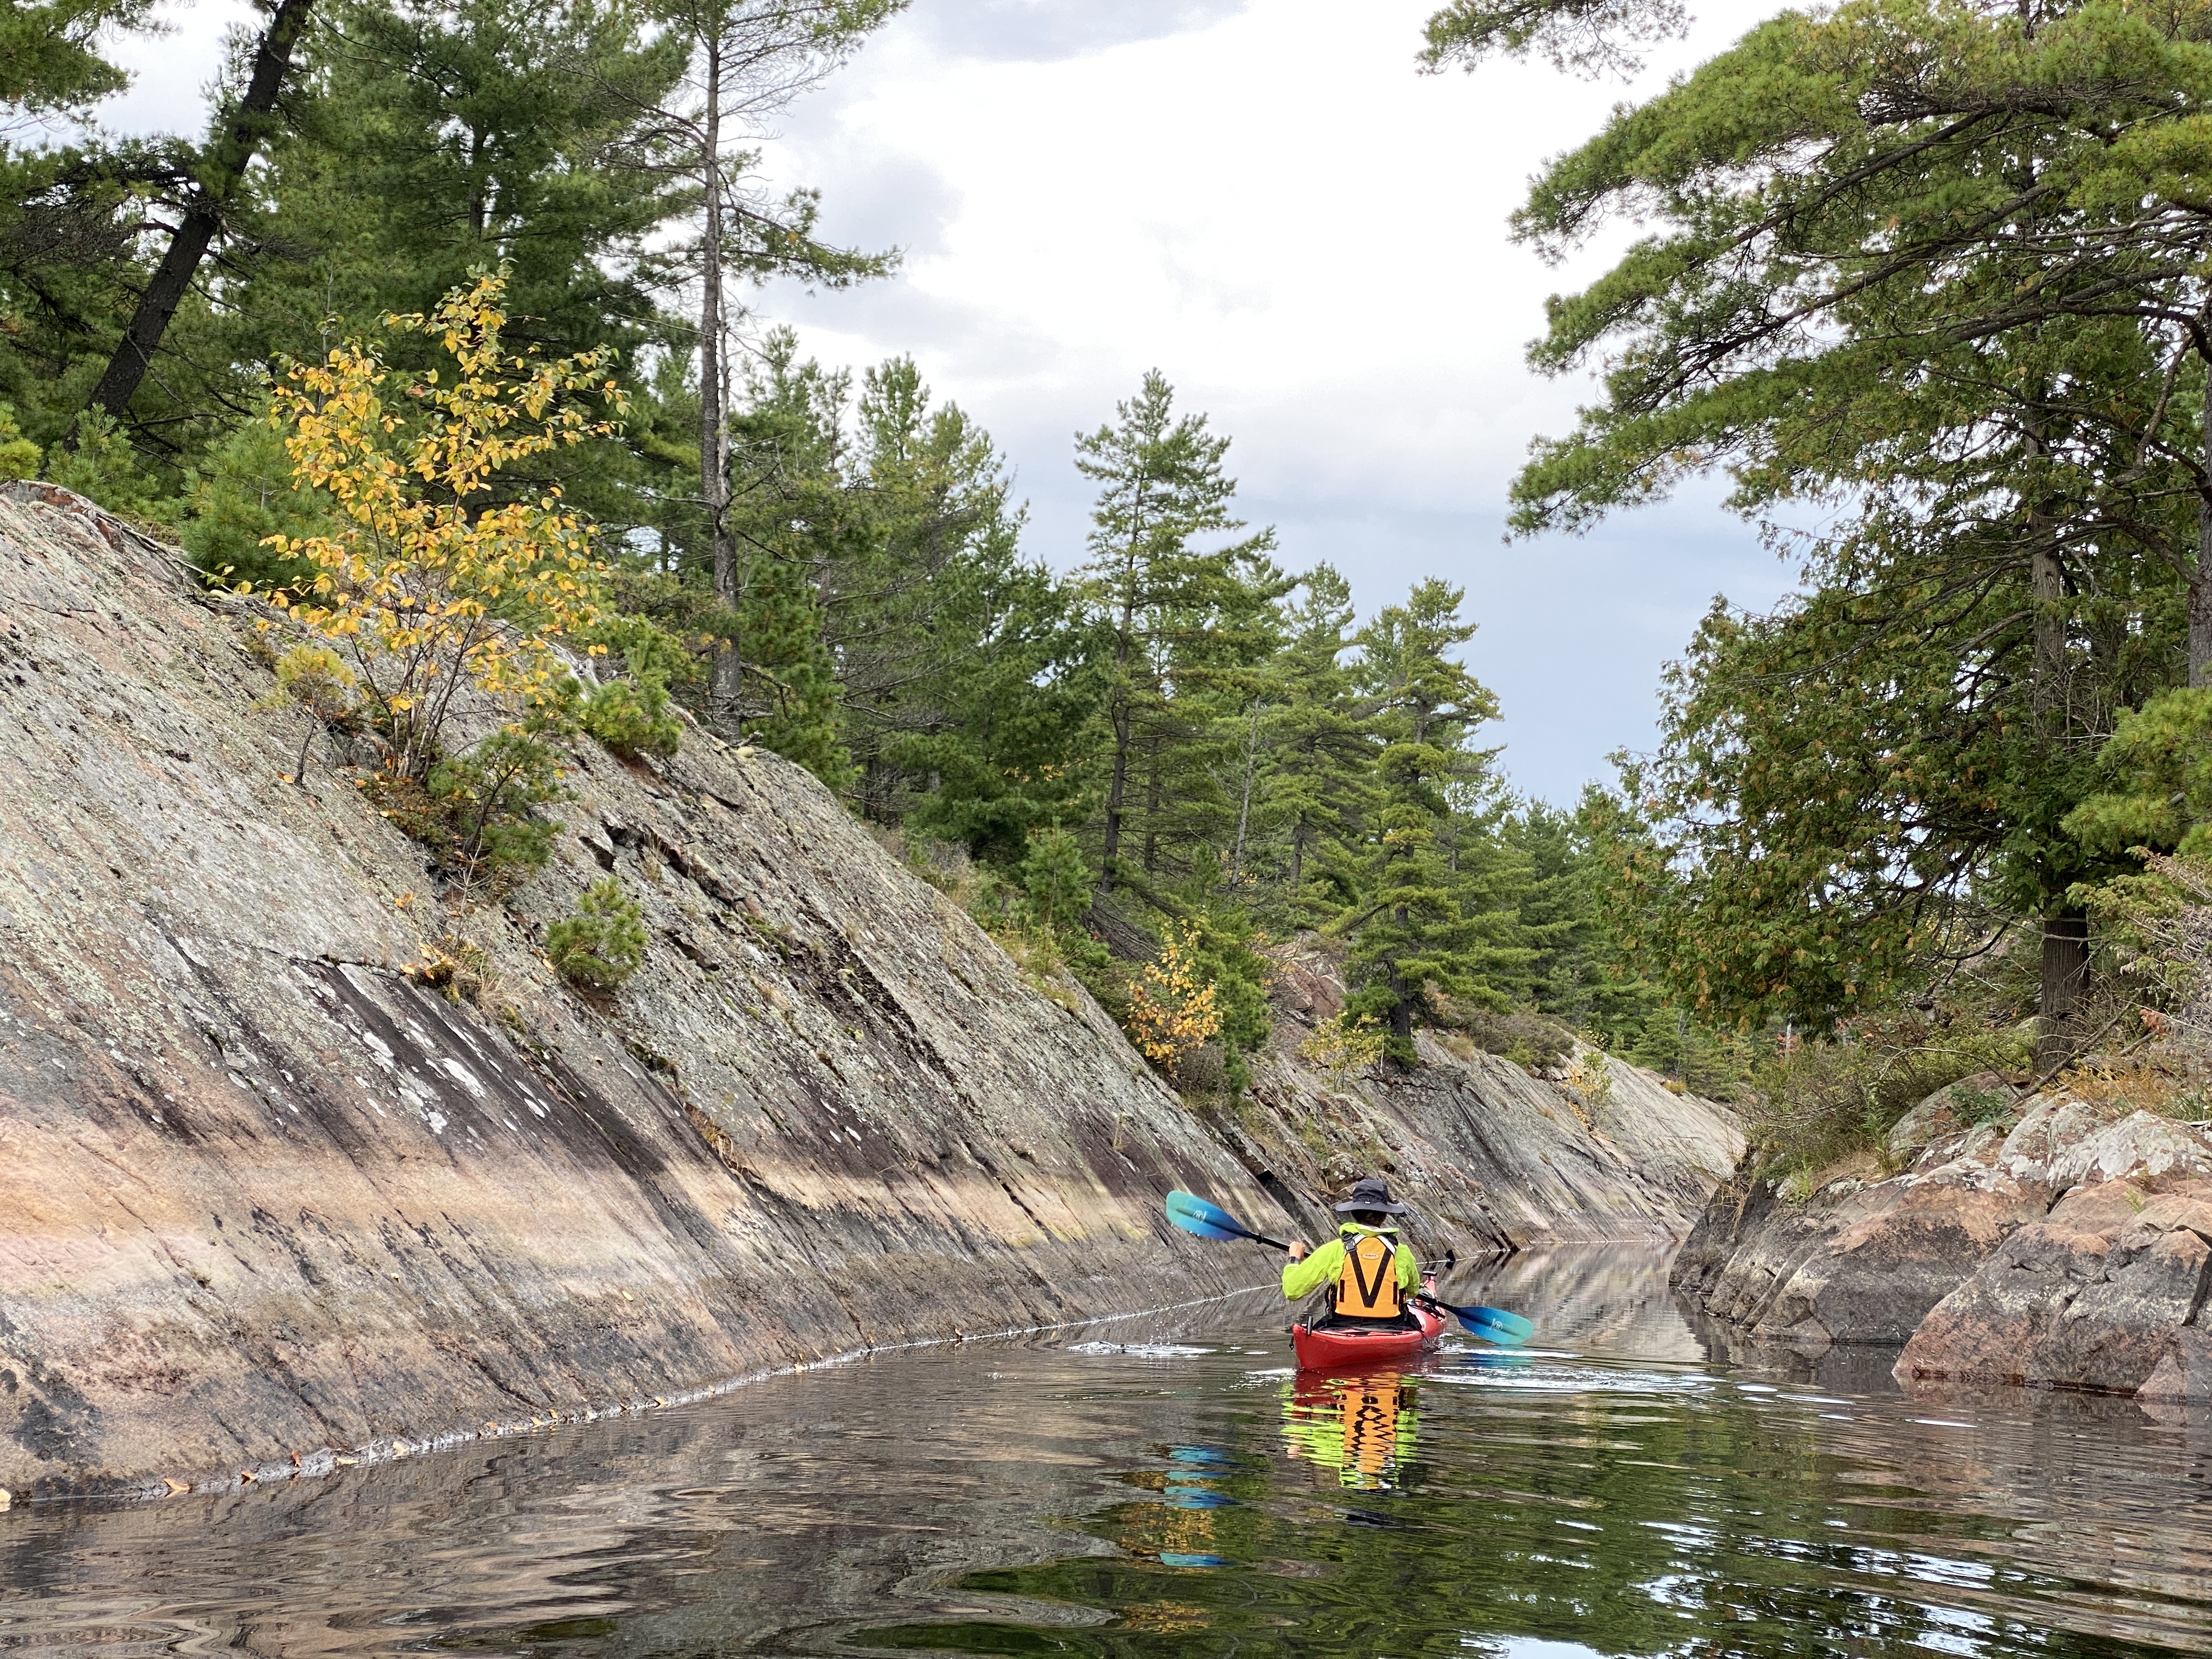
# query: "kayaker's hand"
{"type": "Point", "coordinates": [1296, 1251]}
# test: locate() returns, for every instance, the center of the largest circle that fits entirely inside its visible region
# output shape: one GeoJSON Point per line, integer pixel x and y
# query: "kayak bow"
{"type": "Point", "coordinates": [1342, 1350]}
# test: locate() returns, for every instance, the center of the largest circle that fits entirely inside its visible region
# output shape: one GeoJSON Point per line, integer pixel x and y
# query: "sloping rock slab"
{"type": "Point", "coordinates": [264, 1199]}
{"type": "Point", "coordinates": [2092, 1297]}
{"type": "Point", "coordinates": [1861, 1268]}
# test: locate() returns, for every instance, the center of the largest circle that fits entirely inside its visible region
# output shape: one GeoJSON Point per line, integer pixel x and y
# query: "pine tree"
{"type": "Point", "coordinates": [1183, 625]}
{"type": "Point", "coordinates": [1318, 787]}
{"type": "Point", "coordinates": [1413, 928]}
{"type": "Point", "coordinates": [789, 512]}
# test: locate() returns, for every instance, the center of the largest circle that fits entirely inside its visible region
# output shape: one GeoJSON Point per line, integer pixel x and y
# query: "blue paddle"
{"type": "Point", "coordinates": [1195, 1215]}
{"type": "Point", "coordinates": [1507, 1330]}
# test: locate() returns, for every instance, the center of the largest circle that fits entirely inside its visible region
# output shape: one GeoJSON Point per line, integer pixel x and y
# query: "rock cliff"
{"type": "Point", "coordinates": [1496, 1159]}
{"type": "Point", "coordinates": [273, 1191]}
{"type": "Point", "coordinates": [2067, 1242]}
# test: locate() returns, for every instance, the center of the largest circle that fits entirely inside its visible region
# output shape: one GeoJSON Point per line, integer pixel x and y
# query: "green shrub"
{"type": "Point", "coordinates": [602, 942]}
{"type": "Point", "coordinates": [1057, 880]}
{"type": "Point", "coordinates": [19, 456]}
{"type": "Point", "coordinates": [1820, 1101]}
{"type": "Point", "coordinates": [476, 811]}
{"type": "Point", "coordinates": [1528, 1040]}
{"type": "Point", "coordinates": [314, 676]}
{"type": "Point", "coordinates": [246, 494]}
{"type": "Point", "coordinates": [104, 467]}
{"type": "Point", "coordinates": [631, 718]}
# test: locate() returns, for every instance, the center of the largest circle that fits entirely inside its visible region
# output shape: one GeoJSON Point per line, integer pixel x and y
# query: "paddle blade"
{"type": "Point", "coordinates": [1507, 1330]}
{"type": "Point", "coordinates": [1522, 1328]}
{"type": "Point", "coordinates": [1203, 1229]}
{"type": "Point", "coordinates": [1189, 1204]}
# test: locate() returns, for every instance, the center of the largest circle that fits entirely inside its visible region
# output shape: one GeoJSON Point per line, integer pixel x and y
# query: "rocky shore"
{"type": "Point", "coordinates": [2063, 1240]}
{"type": "Point", "coordinates": [304, 1158]}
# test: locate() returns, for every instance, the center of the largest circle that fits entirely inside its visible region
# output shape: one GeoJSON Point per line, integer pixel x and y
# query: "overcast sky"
{"type": "Point", "coordinates": [1263, 199]}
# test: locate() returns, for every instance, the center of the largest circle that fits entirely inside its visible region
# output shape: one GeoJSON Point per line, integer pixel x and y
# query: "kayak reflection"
{"type": "Point", "coordinates": [1361, 1426]}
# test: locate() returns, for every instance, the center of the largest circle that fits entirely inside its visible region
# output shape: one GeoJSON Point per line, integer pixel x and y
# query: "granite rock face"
{"type": "Point", "coordinates": [1862, 1265]}
{"type": "Point", "coordinates": [2102, 1293]}
{"type": "Point", "coordinates": [1491, 1158]}
{"type": "Point", "coordinates": [266, 1196]}
{"type": "Point", "coordinates": [2072, 1250]}
{"type": "Point", "coordinates": [269, 1194]}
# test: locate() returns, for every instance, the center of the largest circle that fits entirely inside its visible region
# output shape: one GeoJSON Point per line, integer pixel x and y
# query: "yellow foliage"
{"type": "Point", "coordinates": [1590, 1076]}
{"type": "Point", "coordinates": [432, 579]}
{"type": "Point", "coordinates": [1171, 1014]}
{"type": "Point", "coordinates": [314, 676]}
{"type": "Point", "coordinates": [1341, 1047]}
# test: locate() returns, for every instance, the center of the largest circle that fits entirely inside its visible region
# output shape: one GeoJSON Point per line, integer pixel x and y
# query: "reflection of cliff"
{"type": "Point", "coordinates": [263, 1197]}
{"type": "Point", "coordinates": [1610, 1299]}
{"type": "Point", "coordinates": [1035, 1498]}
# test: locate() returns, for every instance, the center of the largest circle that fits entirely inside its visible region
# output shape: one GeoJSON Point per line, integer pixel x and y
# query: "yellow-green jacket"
{"type": "Point", "coordinates": [1326, 1265]}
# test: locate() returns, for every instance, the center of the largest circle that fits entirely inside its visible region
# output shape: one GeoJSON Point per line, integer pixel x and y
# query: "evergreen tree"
{"type": "Point", "coordinates": [1183, 623]}
{"type": "Point", "coordinates": [1318, 786]}
{"type": "Point", "coordinates": [1413, 928]}
{"type": "Point", "coordinates": [790, 513]}
{"type": "Point", "coordinates": [1576, 971]}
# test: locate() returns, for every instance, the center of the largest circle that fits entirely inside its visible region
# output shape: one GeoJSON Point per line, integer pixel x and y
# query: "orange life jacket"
{"type": "Point", "coordinates": [1368, 1286]}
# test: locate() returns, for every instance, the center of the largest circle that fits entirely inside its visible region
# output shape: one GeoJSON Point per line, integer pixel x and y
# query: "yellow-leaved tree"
{"type": "Point", "coordinates": [436, 575]}
{"type": "Point", "coordinates": [1173, 1013]}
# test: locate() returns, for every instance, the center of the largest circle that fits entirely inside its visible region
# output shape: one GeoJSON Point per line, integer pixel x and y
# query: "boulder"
{"type": "Point", "coordinates": [1942, 1123]}
{"type": "Point", "coordinates": [2183, 1376]}
{"type": "Point", "coordinates": [2050, 1125]}
{"type": "Point", "coordinates": [2152, 1152]}
{"type": "Point", "coordinates": [2089, 1297]}
{"type": "Point", "coordinates": [1857, 1264]}
{"type": "Point", "coordinates": [1901, 1248]}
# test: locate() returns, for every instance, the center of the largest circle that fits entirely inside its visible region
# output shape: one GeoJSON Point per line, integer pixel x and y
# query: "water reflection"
{"type": "Point", "coordinates": [1171, 1487]}
{"type": "Point", "coordinates": [1361, 1426]}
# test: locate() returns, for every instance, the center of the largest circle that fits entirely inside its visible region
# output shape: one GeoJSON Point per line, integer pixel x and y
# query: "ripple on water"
{"type": "Point", "coordinates": [1613, 1491]}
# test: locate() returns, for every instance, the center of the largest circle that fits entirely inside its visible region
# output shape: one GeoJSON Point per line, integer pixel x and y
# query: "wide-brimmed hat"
{"type": "Point", "coordinates": [1371, 1194]}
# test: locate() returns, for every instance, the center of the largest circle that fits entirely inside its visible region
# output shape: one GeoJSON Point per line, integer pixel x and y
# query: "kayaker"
{"type": "Point", "coordinates": [1374, 1273]}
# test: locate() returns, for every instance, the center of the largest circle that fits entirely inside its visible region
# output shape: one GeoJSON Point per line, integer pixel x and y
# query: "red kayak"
{"type": "Point", "coordinates": [1344, 1350]}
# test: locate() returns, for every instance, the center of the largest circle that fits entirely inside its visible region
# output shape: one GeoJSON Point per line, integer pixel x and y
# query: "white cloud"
{"type": "Point", "coordinates": [1310, 238]}
{"type": "Point", "coordinates": [173, 68]}
{"type": "Point", "coordinates": [1264, 199]}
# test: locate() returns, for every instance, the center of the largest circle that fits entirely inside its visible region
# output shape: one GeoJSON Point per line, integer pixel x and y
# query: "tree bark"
{"type": "Point", "coordinates": [1152, 808]}
{"type": "Point", "coordinates": [227, 161]}
{"type": "Point", "coordinates": [1401, 1006]}
{"type": "Point", "coordinates": [1244, 802]}
{"type": "Point", "coordinates": [1117, 783]}
{"type": "Point", "coordinates": [2200, 580]}
{"type": "Point", "coordinates": [2047, 585]}
{"type": "Point", "coordinates": [2065, 983]}
{"type": "Point", "coordinates": [714, 423]}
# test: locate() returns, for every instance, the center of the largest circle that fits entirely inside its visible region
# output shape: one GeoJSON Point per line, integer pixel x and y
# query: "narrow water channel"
{"type": "Point", "coordinates": [1168, 1487]}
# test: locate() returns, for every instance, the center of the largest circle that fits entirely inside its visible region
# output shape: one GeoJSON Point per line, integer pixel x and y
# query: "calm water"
{"type": "Point", "coordinates": [1168, 1487]}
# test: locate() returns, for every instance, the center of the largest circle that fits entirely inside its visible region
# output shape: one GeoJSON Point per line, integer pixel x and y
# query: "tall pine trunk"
{"type": "Point", "coordinates": [2065, 954]}
{"type": "Point", "coordinates": [1117, 781]}
{"type": "Point", "coordinates": [1244, 802]}
{"type": "Point", "coordinates": [1152, 807]}
{"type": "Point", "coordinates": [2200, 579]}
{"type": "Point", "coordinates": [713, 425]}
{"type": "Point", "coordinates": [227, 158]}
